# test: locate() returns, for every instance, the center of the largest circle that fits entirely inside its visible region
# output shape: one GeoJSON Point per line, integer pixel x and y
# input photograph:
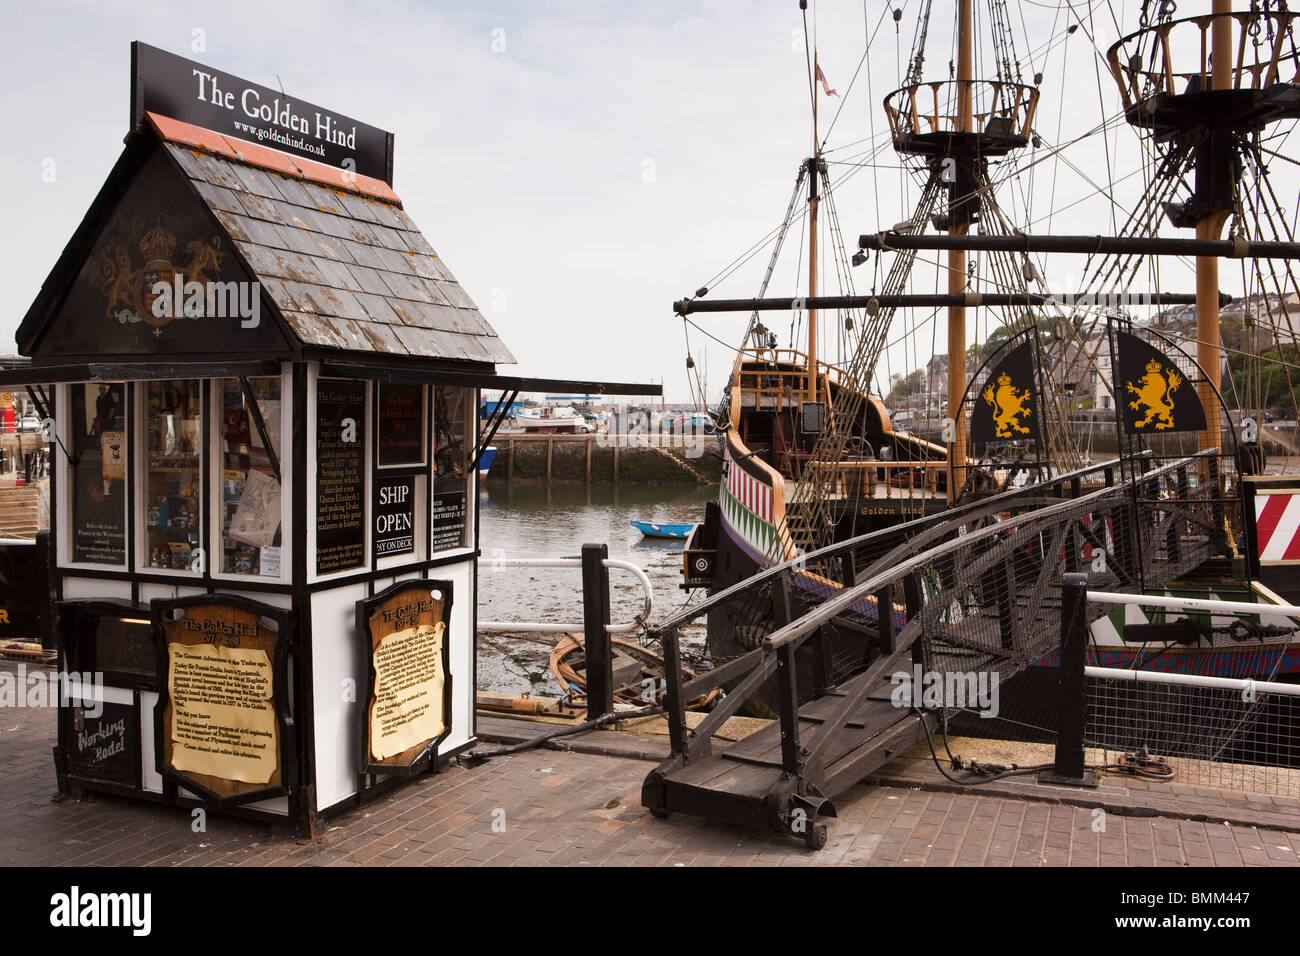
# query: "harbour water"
{"type": "Point", "coordinates": [554, 522]}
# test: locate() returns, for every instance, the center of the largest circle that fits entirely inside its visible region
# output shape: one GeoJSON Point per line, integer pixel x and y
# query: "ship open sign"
{"type": "Point", "coordinates": [394, 516]}
{"type": "Point", "coordinates": [386, 524]}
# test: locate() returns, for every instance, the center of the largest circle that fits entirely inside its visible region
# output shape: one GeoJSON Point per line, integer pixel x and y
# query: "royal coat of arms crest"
{"type": "Point", "coordinates": [130, 290]}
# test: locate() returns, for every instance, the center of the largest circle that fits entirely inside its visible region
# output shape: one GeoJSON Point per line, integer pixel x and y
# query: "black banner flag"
{"type": "Point", "coordinates": [1007, 409]}
{"type": "Point", "coordinates": [1152, 394]}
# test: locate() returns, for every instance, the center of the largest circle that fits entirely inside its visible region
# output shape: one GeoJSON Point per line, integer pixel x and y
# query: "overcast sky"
{"type": "Point", "coordinates": [578, 165]}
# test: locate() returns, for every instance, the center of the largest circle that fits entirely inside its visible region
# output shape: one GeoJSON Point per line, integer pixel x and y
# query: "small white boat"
{"type": "Point", "coordinates": [541, 419]}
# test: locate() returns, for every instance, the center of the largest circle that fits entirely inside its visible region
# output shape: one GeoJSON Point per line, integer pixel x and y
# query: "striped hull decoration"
{"type": "Point", "coordinates": [1277, 526]}
{"type": "Point", "coordinates": [747, 507]}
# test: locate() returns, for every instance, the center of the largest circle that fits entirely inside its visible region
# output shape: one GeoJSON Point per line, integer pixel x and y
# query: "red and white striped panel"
{"type": "Point", "coordinates": [750, 492]}
{"type": "Point", "coordinates": [1277, 527]}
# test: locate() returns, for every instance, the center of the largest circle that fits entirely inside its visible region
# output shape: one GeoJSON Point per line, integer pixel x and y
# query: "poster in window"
{"type": "Point", "coordinates": [113, 455]}
{"type": "Point", "coordinates": [257, 518]}
{"type": "Point", "coordinates": [98, 501]}
{"type": "Point", "coordinates": [340, 475]}
{"type": "Point", "coordinates": [401, 425]}
{"type": "Point", "coordinates": [408, 712]}
{"type": "Point", "coordinates": [448, 522]}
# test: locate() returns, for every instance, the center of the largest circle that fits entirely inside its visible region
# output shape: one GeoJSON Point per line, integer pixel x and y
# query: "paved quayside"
{"type": "Point", "coordinates": [582, 806]}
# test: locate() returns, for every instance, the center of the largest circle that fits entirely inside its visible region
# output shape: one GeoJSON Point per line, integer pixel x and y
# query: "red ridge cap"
{"type": "Point", "coordinates": [254, 154]}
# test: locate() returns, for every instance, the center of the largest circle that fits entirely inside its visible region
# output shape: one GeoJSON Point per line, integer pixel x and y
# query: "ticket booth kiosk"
{"type": "Point", "coordinates": [265, 385]}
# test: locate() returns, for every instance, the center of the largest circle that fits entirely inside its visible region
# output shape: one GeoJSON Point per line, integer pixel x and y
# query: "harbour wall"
{"type": "Point", "coordinates": [603, 459]}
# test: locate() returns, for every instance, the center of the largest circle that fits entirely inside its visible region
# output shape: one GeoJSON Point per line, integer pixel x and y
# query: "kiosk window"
{"type": "Point", "coordinates": [173, 485]}
{"type": "Point", "coordinates": [250, 476]}
{"type": "Point", "coordinates": [121, 647]}
{"type": "Point", "coordinates": [401, 424]}
{"type": "Point", "coordinates": [451, 461]}
{"type": "Point", "coordinates": [97, 472]}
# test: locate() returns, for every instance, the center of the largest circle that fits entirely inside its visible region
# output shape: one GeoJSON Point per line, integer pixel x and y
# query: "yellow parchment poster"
{"type": "Point", "coordinates": [222, 715]}
{"type": "Point", "coordinates": [407, 709]}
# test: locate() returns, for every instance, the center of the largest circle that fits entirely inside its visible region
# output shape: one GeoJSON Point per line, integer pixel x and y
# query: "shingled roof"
{"type": "Point", "coordinates": [347, 270]}
{"type": "Point", "coordinates": [343, 263]}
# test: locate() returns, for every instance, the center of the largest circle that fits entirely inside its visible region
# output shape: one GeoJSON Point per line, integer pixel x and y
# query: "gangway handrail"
{"type": "Point", "coordinates": [828, 609]}
{"type": "Point", "coordinates": [688, 614]}
{"type": "Point", "coordinates": [530, 627]}
{"type": "Point", "coordinates": [934, 568]}
{"type": "Point", "coordinates": [802, 626]}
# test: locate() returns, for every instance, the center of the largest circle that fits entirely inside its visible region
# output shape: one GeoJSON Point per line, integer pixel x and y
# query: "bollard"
{"type": "Point", "coordinates": [595, 618]}
{"type": "Point", "coordinates": [1069, 767]}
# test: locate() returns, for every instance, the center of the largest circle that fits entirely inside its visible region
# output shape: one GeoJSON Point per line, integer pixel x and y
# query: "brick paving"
{"type": "Point", "coordinates": [549, 807]}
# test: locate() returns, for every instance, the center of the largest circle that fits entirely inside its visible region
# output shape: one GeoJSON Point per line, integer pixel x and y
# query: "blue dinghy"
{"type": "Point", "coordinates": [652, 530]}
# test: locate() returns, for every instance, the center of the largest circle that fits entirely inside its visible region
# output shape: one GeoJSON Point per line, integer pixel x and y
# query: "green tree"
{"type": "Point", "coordinates": [910, 384]}
{"type": "Point", "coordinates": [1279, 376]}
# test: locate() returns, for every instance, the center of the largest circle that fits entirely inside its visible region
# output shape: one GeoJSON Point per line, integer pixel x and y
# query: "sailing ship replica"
{"type": "Point", "coordinates": [811, 457]}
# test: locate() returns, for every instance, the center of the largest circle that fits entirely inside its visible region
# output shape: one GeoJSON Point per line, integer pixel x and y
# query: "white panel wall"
{"type": "Point", "coordinates": [336, 657]}
{"type": "Point", "coordinates": [461, 577]}
{"type": "Point", "coordinates": [83, 589]}
{"type": "Point", "coordinates": [152, 779]}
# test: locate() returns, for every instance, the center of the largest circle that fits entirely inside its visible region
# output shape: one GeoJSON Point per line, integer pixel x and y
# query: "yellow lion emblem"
{"type": "Point", "coordinates": [1009, 404]}
{"type": "Point", "coordinates": [1155, 395]}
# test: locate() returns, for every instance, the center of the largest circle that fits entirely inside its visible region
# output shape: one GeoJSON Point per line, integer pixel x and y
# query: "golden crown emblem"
{"type": "Point", "coordinates": [157, 244]}
{"type": "Point", "coordinates": [1153, 367]}
{"type": "Point", "coordinates": [1004, 379]}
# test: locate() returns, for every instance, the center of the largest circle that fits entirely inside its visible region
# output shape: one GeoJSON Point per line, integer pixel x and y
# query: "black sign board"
{"type": "Point", "coordinates": [401, 424]}
{"type": "Point", "coordinates": [394, 516]}
{"type": "Point", "coordinates": [99, 534]}
{"type": "Point", "coordinates": [184, 90]}
{"type": "Point", "coordinates": [1153, 393]}
{"type": "Point", "coordinates": [340, 475]}
{"type": "Point", "coordinates": [97, 490]}
{"type": "Point", "coordinates": [1006, 408]}
{"type": "Point", "coordinates": [448, 520]}
{"type": "Point", "coordinates": [104, 747]}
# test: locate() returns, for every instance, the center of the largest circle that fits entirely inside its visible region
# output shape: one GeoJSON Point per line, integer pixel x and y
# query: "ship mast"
{"type": "Point", "coordinates": [814, 200]}
{"type": "Point", "coordinates": [959, 226]}
{"type": "Point", "coordinates": [1205, 110]}
{"type": "Point", "coordinates": [1210, 226]}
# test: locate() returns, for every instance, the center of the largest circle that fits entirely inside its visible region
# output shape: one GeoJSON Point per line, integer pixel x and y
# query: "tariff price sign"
{"type": "Point", "coordinates": [394, 513]}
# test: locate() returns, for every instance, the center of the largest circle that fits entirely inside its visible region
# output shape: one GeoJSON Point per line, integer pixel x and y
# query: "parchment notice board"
{"type": "Point", "coordinates": [408, 702]}
{"type": "Point", "coordinates": [221, 732]}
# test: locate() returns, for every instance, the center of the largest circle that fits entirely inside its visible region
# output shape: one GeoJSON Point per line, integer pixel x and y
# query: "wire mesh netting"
{"type": "Point", "coordinates": [1195, 735]}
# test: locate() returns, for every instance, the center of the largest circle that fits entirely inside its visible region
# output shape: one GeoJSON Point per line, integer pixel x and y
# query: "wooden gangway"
{"type": "Point", "coordinates": [973, 590]}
